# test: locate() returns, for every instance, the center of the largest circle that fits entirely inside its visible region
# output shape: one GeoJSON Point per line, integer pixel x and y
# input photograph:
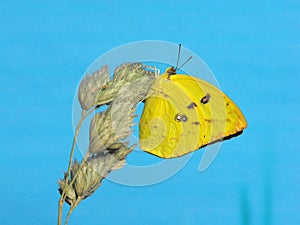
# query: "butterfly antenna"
{"type": "Point", "coordinates": [185, 62]}
{"type": "Point", "coordinates": [178, 56]}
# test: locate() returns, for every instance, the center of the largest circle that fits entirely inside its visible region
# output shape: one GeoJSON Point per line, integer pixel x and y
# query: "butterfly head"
{"type": "Point", "coordinates": [171, 71]}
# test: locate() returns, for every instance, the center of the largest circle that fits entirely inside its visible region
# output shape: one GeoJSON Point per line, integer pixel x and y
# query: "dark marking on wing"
{"type": "Point", "coordinates": [192, 105]}
{"type": "Point", "coordinates": [209, 120]}
{"type": "Point", "coordinates": [223, 139]}
{"type": "Point", "coordinates": [180, 117]}
{"type": "Point", "coordinates": [196, 123]}
{"type": "Point", "coordinates": [184, 118]}
{"type": "Point", "coordinates": [164, 94]}
{"type": "Point", "coordinates": [205, 99]}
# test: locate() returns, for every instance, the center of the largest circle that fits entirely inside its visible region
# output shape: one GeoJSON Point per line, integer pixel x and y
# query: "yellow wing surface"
{"type": "Point", "coordinates": [183, 113]}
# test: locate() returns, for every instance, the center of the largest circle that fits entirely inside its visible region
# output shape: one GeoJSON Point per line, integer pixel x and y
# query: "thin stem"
{"type": "Point", "coordinates": [62, 198]}
{"type": "Point", "coordinates": [84, 115]}
{"type": "Point", "coordinates": [60, 207]}
{"type": "Point", "coordinates": [71, 210]}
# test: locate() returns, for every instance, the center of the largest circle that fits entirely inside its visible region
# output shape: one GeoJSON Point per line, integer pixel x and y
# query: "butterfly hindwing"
{"type": "Point", "coordinates": [161, 132]}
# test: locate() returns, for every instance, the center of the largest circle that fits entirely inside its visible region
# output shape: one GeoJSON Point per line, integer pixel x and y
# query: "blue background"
{"type": "Point", "coordinates": [252, 48]}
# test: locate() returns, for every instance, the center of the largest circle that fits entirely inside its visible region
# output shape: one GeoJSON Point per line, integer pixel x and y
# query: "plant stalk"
{"type": "Point", "coordinates": [83, 116]}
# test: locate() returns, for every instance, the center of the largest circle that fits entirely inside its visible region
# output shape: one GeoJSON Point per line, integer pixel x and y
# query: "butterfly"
{"type": "Point", "coordinates": [183, 113]}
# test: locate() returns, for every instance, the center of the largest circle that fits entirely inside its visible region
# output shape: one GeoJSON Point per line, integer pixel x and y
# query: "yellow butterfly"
{"type": "Point", "coordinates": [183, 113]}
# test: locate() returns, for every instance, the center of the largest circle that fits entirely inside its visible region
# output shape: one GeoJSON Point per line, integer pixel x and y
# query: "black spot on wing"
{"type": "Point", "coordinates": [205, 99]}
{"type": "Point", "coordinates": [178, 117]}
{"type": "Point", "coordinates": [196, 123]}
{"type": "Point", "coordinates": [192, 105]}
{"type": "Point", "coordinates": [181, 117]}
{"type": "Point", "coordinates": [184, 118]}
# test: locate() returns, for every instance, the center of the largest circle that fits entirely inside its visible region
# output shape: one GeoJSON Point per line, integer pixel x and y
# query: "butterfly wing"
{"type": "Point", "coordinates": [210, 116]}
{"type": "Point", "coordinates": [160, 133]}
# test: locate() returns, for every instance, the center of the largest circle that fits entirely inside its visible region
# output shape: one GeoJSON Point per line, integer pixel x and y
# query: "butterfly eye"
{"type": "Point", "coordinates": [181, 118]}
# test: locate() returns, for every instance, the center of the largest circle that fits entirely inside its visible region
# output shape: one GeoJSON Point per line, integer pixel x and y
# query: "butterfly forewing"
{"type": "Point", "coordinates": [183, 113]}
